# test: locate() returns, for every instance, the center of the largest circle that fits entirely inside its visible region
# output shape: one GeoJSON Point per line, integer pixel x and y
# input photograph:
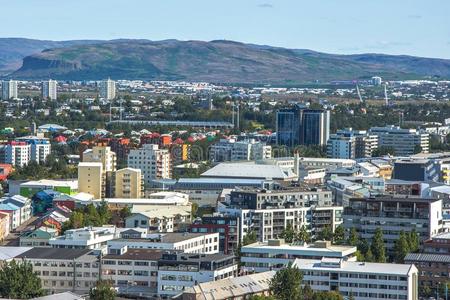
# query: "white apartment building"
{"type": "Point", "coordinates": [107, 89]}
{"type": "Point", "coordinates": [9, 89]}
{"type": "Point", "coordinates": [351, 144]}
{"type": "Point", "coordinates": [363, 280]}
{"type": "Point", "coordinates": [154, 163]}
{"type": "Point", "coordinates": [404, 141]}
{"type": "Point", "coordinates": [18, 208]}
{"type": "Point", "coordinates": [327, 163]}
{"type": "Point", "coordinates": [40, 147]}
{"type": "Point", "coordinates": [49, 89]}
{"type": "Point", "coordinates": [85, 238]}
{"type": "Point", "coordinates": [17, 153]}
{"type": "Point", "coordinates": [159, 218]}
{"type": "Point", "coordinates": [232, 150]}
{"type": "Point", "coordinates": [63, 270]}
{"type": "Point", "coordinates": [206, 243]}
{"type": "Point", "coordinates": [276, 254]}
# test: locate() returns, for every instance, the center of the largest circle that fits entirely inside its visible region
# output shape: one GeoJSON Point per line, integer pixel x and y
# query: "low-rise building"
{"type": "Point", "coordinates": [61, 270]}
{"type": "Point", "coordinates": [183, 241]}
{"type": "Point", "coordinates": [37, 238]}
{"type": "Point", "coordinates": [362, 280]}
{"type": "Point", "coordinates": [234, 288]}
{"type": "Point", "coordinates": [179, 271]}
{"type": "Point", "coordinates": [18, 208]}
{"type": "Point", "coordinates": [159, 218]}
{"type": "Point", "coordinates": [85, 238]}
{"type": "Point", "coordinates": [276, 254]}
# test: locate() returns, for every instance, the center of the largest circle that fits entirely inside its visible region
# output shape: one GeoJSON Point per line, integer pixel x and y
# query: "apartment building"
{"type": "Point", "coordinates": [107, 89]}
{"type": "Point", "coordinates": [61, 270]}
{"type": "Point", "coordinates": [350, 144]}
{"type": "Point", "coordinates": [233, 150]}
{"type": "Point", "coordinates": [17, 153]}
{"type": "Point", "coordinates": [180, 271]}
{"type": "Point", "coordinates": [416, 170]}
{"type": "Point", "coordinates": [327, 163]}
{"type": "Point", "coordinates": [85, 238]}
{"type": "Point", "coordinates": [128, 183]}
{"type": "Point", "coordinates": [108, 159]}
{"type": "Point", "coordinates": [9, 90]}
{"type": "Point", "coordinates": [362, 280]}
{"type": "Point", "coordinates": [403, 141]}
{"type": "Point", "coordinates": [49, 89]}
{"type": "Point", "coordinates": [393, 214]}
{"type": "Point", "coordinates": [4, 225]}
{"type": "Point", "coordinates": [40, 147]}
{"type": "Point", "coordinates": [154, 163]}
{"type": "Point", "coordinates": [18, 208]}
{"type": "Point", "coordinates": [159, 218]}
{"type": "Point", "coordinates": [37, 238]}
{"type": "Point", "coordinates": [207, 243]}
{"type": "Point", "coordinates": [92, 179]}
{"type": "Point", "coordinates": [276, 254]}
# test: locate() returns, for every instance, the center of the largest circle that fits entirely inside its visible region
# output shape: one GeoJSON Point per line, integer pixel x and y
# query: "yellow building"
{"type": "Point", "coordinates": [91, 179]}
{"type": "Point", "coordinates": [104, 155]}
{"type": "Point", "coordinates": [128, 183]}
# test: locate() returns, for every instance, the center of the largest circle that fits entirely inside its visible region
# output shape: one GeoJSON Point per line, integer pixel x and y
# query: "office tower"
{"type": "Point", "coordinates": [9, 90]}
{"type": "Point", "coordinates": [49, 89]}
{"type": "Point", "coordinates": [107, 89]}
{"type": "Point", "coordinates": [302, 126]}
{"type": "Point", "coordinates": [128, 183]}
{"type": "Point", "coordinates": [154, 163]}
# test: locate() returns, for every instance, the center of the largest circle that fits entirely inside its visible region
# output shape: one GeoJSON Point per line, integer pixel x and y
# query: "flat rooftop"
{"type": "Point", "coordinates": [265, 247]}
{"type": "Point", "coordinates": [169, 237]}
{"type": "Point", "coordinates": [54, 253]}
{"type": "Point", "coordinates": [137, 254]}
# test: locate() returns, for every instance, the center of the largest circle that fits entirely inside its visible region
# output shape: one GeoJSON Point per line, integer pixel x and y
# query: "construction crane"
{"type": "Point", "coordinates": [359, 94]}
{"type": "Point", "coordinates": [386, 99]}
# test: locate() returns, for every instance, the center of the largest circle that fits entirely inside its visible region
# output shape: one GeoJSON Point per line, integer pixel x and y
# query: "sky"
{"type": "Point", "coordinates": [413, 27]}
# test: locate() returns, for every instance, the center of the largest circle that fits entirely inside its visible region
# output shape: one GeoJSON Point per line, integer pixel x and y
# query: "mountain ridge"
{"type": "Point", "coordinates": [221, 61]}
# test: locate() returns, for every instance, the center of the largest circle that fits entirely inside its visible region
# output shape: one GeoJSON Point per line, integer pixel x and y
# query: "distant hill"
{"type": "Point", "coordinates": [13, 50]}
{"type": "Point", "coordinates": [215, 61]}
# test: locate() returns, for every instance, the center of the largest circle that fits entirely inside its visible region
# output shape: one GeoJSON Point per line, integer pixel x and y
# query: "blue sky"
{"type": "Point", "coordinates": [415, 27]}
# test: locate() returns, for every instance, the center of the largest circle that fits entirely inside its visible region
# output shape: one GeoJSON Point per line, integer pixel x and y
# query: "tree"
{"type": "Point", "coordinates": [17, 280]}
{"type": "Point", "coordinates": [288, 234]}
{"type": "Point", "coordinates": [249, 238]}
{"type": "Point", "coordinates": [103, 290]}
{"type": "Point", "coordinates": [353, 238]}
{"type": "Point", "coordinates": [303, 235]}
{"type": "Point", "coordinates": [339, 235]}
{"type": "Point", "coordinates": [382, 151]}
{"type": "Point", "coordinates": [286, 284]}
{"type": "Point", "coordinates": [401, 247]}
{"type": "Point", "coordinates": [326, 234]}
{"type": "Point", "coordinates": [327, 295]}
{"type": "Point", "coordinates": [413, 240]}
{"type": "Point", "coordinates": [377, 246]}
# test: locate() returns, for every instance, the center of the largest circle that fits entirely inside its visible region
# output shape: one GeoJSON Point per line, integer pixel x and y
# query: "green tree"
{"type": "Point", "coordinates": [326, 234]}
{"type": "Point", "coordinates": [103, 290]}
{"type": "Point", "coordinates": [249, 238]}
{"type": "Point", "coordinates": [369, 257]}
{"type": "Point", "coordinates": [18, 281]}
{"type": "Point", "coordinates": [353, 238]}
{"type": "Point", "coordinates": [414, 241]}
{"type": "Point", "coordinates": [303, 235]}
{"type": "Point", "coordinates": [377, 247]}
{"type": "Point", "coordinates": [288, 234]}
{"type": "Point", "coordinates": [401, 247]}
{"type": "Point", "coordinates": [339, 235]}
{"type": "Point", "coordinates": [286, 284]}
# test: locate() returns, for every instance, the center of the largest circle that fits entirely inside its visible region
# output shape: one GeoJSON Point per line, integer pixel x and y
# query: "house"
{"type": "Point", "coordinates": [38, 237]}
{"type": "Point", "coordinates": [19, 209]}
{"type": "Point", "coordinates": [160, 218]}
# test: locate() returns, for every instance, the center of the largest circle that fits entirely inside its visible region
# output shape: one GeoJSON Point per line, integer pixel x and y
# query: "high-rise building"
{"type": "Point", "coordinates": [154, 163]}
{"type": "Point", "coordinates": [302, 126]}
{"type": "Point", "coordinates": [49, 89]}
{"type": "Point", "coordinates": [107, 89]}
{"type": "Point", "coordinates": [91, 179]}
{"type": "Point", "coordinates": [403, 141]}
{"type": "Point", "coordinates": [376, 80]}
{"type": "Point", "coordinates": [9, 90]}
{"type": "Point", "coordinates": [128, 183]}
{"type": "Point", "coordinates": [232, 150]}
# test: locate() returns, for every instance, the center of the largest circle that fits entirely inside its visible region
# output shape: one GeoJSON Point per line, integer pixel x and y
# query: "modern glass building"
{"type": "Point", "coordinates": [302, 126]}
